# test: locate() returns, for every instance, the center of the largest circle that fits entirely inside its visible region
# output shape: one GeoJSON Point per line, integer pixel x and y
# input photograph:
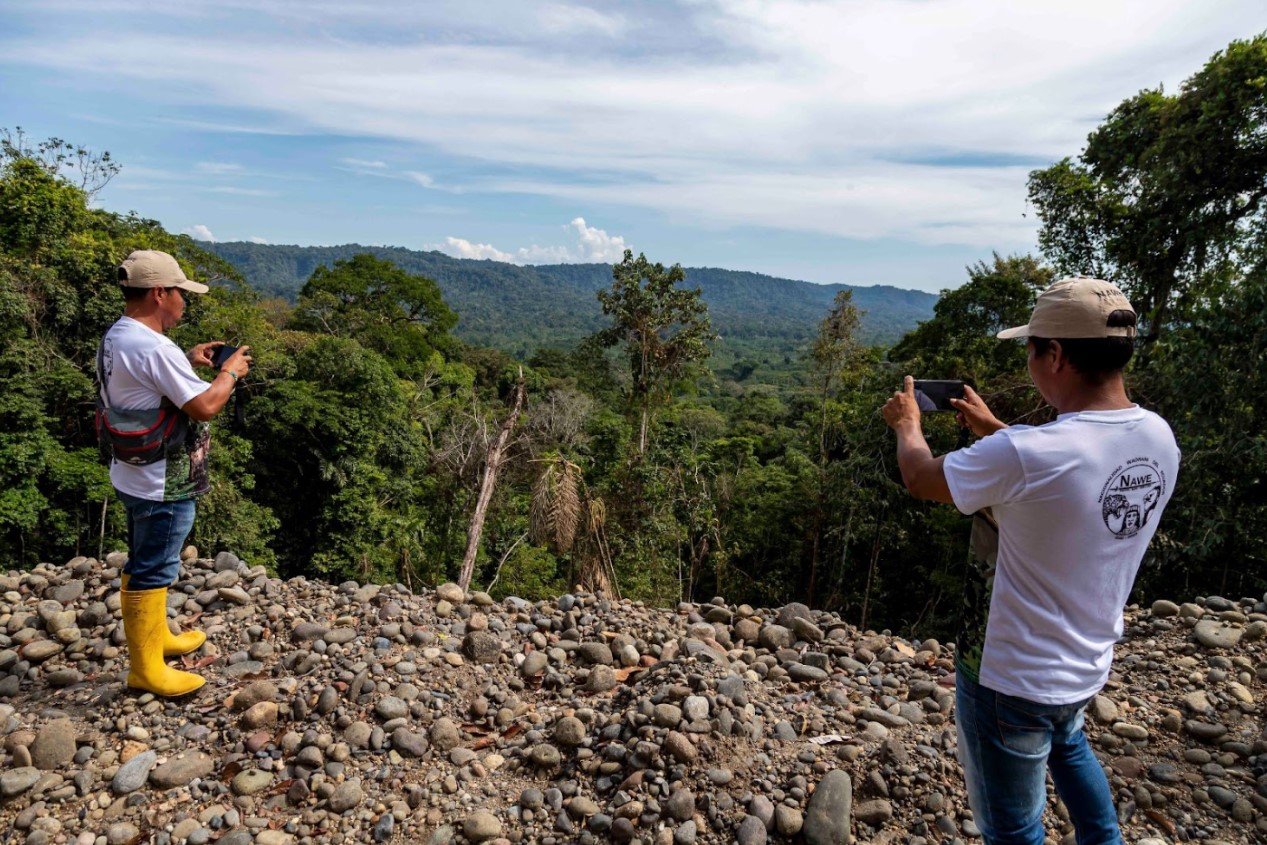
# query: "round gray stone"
{"type": "Point", "coordinates": [569, 731]}
{"type": "Point", "coordinates": [545, 756]}
{"type": "Point", "coordinates": [251, 781]}
{"type": "Point", "coordinates": [451, 593]}
{"type": "Point", "coordinates": [54, 745]}
{"type": "Point", "coordinates": [686, 833]}
{"type": "Point", "coordinates": [409, 743]}
{"type": "Point", "coordinates": [601, 679]}
{"type": "Point", "coordinates": [1214, 634]}
{"type": "Point", "coordinates": [18, 780]}
{"type": "Point", "coordinates": [534, 664]}
{"type": "Point", "coordinates": [181, 769]}
{"type": "Point", "coordinates": [788, 821]}
{"type": "Point", "coordinates": [775, 637]}
{"type": "Point", "coordinates": [390, 707]}
{"type": "Point", "coordinates": [828, 814]}
{"type": "Point", "coordinates": [346, 796]}
{"type": "Point", "coordinates": [481, 826]}
{"type": "Point", "coordinates": [681, 804]}
{"type": "Point", "coordinates": [133, 774]}
{"type": "Point", "coordinates": [751, 832]}
{"type": "Point", "coordinates": [482, 646]}
{"type": "Point", "coordinates": [445, 735]}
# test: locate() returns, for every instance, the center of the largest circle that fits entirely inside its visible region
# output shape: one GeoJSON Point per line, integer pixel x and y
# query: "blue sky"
{"type": "Point", "coordinates": [862, 141]}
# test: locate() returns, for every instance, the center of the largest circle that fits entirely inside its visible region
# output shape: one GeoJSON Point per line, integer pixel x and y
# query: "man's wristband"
{"type": "Point", "coordinates": [230, 372]}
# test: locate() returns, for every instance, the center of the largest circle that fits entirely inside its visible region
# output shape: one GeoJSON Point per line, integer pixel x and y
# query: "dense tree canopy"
{"type": "Point", "coordinates": [361, 435]}
{"type": "Point", "coordinates": [401, 316]}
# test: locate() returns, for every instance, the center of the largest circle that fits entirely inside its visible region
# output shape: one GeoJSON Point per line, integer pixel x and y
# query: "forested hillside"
{"type": "Point", "coordinates": [520, 309]}
{"type": "Point", "coordinates": [637, 459]}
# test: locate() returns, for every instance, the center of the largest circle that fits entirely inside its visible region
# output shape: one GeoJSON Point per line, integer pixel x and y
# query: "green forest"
{"type": "Point", "coordinates": [366, 442]}
{"type": "Point", "coordinates": [520, 309]}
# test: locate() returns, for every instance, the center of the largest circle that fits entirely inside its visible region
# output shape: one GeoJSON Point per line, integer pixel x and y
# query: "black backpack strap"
{"type": "Point", "coordinates": [102, 384]}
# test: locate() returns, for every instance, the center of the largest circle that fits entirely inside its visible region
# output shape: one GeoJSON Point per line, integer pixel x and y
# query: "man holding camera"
{"type": "Point", "coordinates": [1076, 503]}
{"type": "Point", "coordinates": [141, 371]}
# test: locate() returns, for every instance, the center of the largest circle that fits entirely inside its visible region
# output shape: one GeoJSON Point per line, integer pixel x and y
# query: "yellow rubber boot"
{"type": "Point", "coordinates": [175, 644]}
{"type": "Point", "coordinates": [145, 624]}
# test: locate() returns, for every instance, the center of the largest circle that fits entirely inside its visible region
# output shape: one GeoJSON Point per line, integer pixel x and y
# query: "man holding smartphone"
{"type": "Point", "coordinates": [140, 368]}
{"type": "Point", "coordinates": [1076, 502]}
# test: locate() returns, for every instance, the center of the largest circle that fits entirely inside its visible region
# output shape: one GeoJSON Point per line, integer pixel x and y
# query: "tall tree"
{"type": "Point", "coordinates": [834, 353]}
{"type": "Point", "coordinates": [399, 315]}
{"type": "Point", "coordinates": [664, 328]}
{"type": "Point", "coordinates": [1168, 188]}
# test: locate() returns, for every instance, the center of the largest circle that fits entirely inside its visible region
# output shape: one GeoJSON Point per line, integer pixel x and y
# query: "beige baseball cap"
{"type": "Point", "coordinates": [1075, 307]}
{"type": "Point", "coordinates": [149, 268]}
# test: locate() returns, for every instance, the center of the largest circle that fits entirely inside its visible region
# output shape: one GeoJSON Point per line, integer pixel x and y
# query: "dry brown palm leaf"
{"type": "Point", "coordinates": [595, 516]}
{"type": "Point", "coordinates": [556, 505]}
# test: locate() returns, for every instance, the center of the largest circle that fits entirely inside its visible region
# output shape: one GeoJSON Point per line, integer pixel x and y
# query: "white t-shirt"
{"type": "Point", "coordinates": [141, 366]}
{"type": "Point", "coordinates": [1077, 502]}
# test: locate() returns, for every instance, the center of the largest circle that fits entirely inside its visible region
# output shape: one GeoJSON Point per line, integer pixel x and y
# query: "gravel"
{"type": "Point", "coordinates": [368, 713]}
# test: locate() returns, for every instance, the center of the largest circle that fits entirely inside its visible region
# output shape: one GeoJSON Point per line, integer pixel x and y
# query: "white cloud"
{"type": "Point", "coordinates": [199, 233]}
{"type": "Point", "coordinates": [242, 192]}
{"type": "Point", "coordinates": [462, 248]}
{"type": "Point", "coordinates": [256, 239]}
{"type": "Point", "coordinates": [218, 167]}
{"type": "Point", "coordinates": [420, 178]}
{"type": "Point", "coordinates": [931, 205]}
{"type": "Point", "coordinates": [786, 114]}
{"type": "Point", "coordinates": [596, 245]}
{"type": "Point", "coordinates": [573, 19]}
{"type": "Point", "coordinates": [593, 245]}
{"type": "Point", "coordinates": [211, 126]}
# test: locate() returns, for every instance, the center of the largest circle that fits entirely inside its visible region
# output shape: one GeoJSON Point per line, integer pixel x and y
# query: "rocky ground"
{"type": "Point", "coordinates": [358, 713]}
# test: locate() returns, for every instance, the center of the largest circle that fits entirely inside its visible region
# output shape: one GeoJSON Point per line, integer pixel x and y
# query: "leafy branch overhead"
{"type": "Point", "coordinates": [73, 164]}
{"type": "Point", "coordinates": [1169, 192]}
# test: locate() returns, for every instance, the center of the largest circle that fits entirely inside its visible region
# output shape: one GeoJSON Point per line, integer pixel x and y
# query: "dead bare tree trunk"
{"type": "Point", "coordinates": [491, 464]}
{"type": "Point", "coordinates": [101, 537]}
{"type": "Point", "coordinates": [875, 559]}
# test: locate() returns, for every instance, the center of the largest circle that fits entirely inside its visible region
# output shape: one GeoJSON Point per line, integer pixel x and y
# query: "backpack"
{"type": "Point", "coordinates": [138, 437]}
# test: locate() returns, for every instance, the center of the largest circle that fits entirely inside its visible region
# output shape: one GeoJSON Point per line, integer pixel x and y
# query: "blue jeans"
{"type": "Point", "coordinates": [1006, 746]}
{"type": "Point", "coordinates": [156, 534]}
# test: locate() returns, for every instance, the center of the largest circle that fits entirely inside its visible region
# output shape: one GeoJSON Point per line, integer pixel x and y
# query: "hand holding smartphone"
{"type": "Point", "coordinates": [934, 395]}
{"type": "Point", "coordinates": [224, 353]}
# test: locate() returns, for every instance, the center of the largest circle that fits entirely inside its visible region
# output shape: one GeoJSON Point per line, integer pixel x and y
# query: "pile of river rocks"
{"type": "Point", "coordinates": [365, 713]}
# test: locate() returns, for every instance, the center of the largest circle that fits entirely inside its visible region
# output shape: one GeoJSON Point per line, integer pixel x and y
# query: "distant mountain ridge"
{"type": "Point", "coordinates": [519, 309]}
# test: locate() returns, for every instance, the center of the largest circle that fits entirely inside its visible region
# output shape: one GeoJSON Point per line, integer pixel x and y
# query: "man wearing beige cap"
{"type": "Point", "coordinates": [1076, 502]}
{"type": "Point", "coordinates": [153, 412]}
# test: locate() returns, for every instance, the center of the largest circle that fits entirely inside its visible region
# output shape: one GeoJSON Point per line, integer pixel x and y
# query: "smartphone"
{"type": "Point", "coordinates": [935, 394]}
{"type": "Point", "coordinates": [221, 355]}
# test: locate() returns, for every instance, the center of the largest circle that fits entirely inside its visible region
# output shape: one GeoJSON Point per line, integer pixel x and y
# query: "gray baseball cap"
{"type": "Point", "coordinates": [149, 268]}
